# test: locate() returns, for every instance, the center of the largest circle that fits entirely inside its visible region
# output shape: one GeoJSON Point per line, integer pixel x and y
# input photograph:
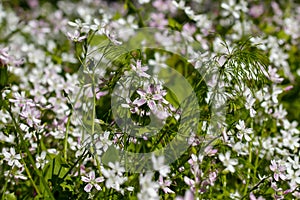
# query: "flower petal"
{"type": "Point", "coordinates": [92, 175]}
{"type": "Point", "coordinates": [139, 102]}
{"type": "Point", "coordinates": [97, 187]}
{"type": "Point", "coordinates": [142, 93]}
{"type": "Point", "coordinates": [152, 105]}
{"type": "Point", "coordinates": [85, 179]}
{"type": "Point", "coordinates": [99, 179]}
{"type": "Point", "coordinates": [88, 187]}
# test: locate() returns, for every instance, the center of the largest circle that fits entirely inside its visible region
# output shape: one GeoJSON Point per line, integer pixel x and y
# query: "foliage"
{"type": "Point", "coordinates": [149, 99]}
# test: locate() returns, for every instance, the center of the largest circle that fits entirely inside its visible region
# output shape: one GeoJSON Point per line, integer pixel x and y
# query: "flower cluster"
{"type": "Point", "coordinates": [84, 86]}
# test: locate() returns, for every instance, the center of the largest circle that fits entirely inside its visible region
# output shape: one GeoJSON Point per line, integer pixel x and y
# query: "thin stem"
{"type": "Point", "coordinates": [224, 182]}
{"type": "Point", "coordinates": [137, 11]}
{"type": "Point", "coordinates": [256, 161]}
{"type": "Point", "coordinates": [71, 168]}
{"type": "Point", "coordinates": [4, 187]}
{"type": "Point", "coordinates": [249, 162]}
{"type": "Point", "coordinates": [93, 124]}
{"type": "Point", "coordinates": [256, 186]}
{"type": "Point", "coordinates": [249, 169]}
{"type": "Point", "coordinates": [30, 177]}
{"type": "Point", "coordinates": [66, 136]}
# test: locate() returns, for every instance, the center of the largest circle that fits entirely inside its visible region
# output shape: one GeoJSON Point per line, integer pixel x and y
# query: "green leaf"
{"type": "Point", "coordinates": [3, 77]}
{"type": "Point", "coordinates": [111, 155]}
{"type": "Point", "coordinates": [174, 24]}
{"type": "Point", "coordinates": [66, 186]}
{"type": "Point", "coordinates": [55, 169]}
{"type": "Point", "coordinates": [10, 196]}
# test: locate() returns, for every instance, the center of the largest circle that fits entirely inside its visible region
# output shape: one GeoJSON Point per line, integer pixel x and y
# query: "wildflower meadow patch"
{"type": "Point", "coordinates": [149, 99]}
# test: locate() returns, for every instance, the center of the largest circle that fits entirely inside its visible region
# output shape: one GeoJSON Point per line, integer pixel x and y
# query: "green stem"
{"type": "Point", "coordinates": [224, 183]}
{"type": "Point", "coordinates": [93, 124]}
{"type": "Point", "coordinates": [4, 187]}
{"type": "Point", "coordinates": [249, 169]}
{"type": "Point", "coordinates": [140, 17]}
{"type": "Point", "coordinates": [256, 163]}
{"type": "Point", "coordinates": [30, 177]}
{"type": "Point", "coordinates": [66, 137]}
{"type": "Point", "coordinates": [72, 167]}
{"type": "Point", "coordinates": [256, 186]}
{"type": "Point", "coordinates": [249, 162]}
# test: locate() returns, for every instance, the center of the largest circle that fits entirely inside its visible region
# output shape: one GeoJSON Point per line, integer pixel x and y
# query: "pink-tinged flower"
{"type": "Point", "coordinates": [212, 177]}
{"type": "Point", "coordinates": [210, 151]}
{"type": "Point", "coordinates": [252, 197]}
{"type": "Point", "coordinates": [158, 20]}
{"type": "Point", "coordinates": [15, 174]}
{"type": "Point", "coordinates": [164, 185]}
{"type": "Point", "coordinates": [189, 29]}
{"type": "Point", "coordinates": [152, 94]}
{"type": "Point", "coordinates": [12, 158]}
{"type": "Point", "coordinates": [39, 27]}
{"type": "Point", "coordinates": [33, 3]}
{"type": "Point", "coordinates": [273, 76]}
{"type": "Point", "coordinates": [279, 191]}
{"type": "Point", "coordinates": [112, 37]}
{"type": "Point", "coordinates": [296, 194]}
{"type": "Point", "coordinates": [32, 115]}
{"type": "Point", "coordinates": [20, 100]}
{"type": "Point", "coordinates": [287, 88]}
{"type": "Point", "coordinates": [256, 10]}
{"type": "Point", "coordinates": [193, 161]}
{"type": "Point", "coordinates": [98, 93]}
{"type": "Point", "coordinates": [92, 181]}
{"type": "Point", "coordinates": [276, 8]}
{"type": "Point", "coordinates": [190, 182]}
{"type": "Point", "coordinates": [4, 57]}
{"type": "Point", "coordinates": [140, 70]}
{"type": "Point", "coordinates": [187, 196]}
{"type": "Point", "coordinates": [164, 6]}
{"type": "Point", "coordinates": [288, 191]}
{"type": "Point", "coordinates": [129, 104]}
{"type": "Point", "coordinates": [75, 37]}
{"type": "Point", "coordinates": [278, 170]}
